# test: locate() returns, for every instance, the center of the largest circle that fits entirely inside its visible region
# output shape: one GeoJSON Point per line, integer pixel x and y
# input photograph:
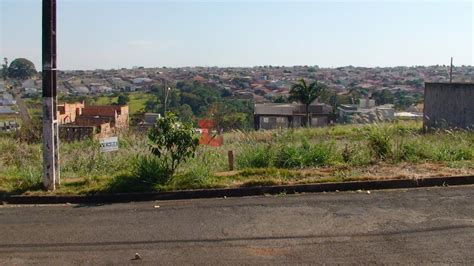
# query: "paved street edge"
{"type": "Point", "coordinates": [239, 192]}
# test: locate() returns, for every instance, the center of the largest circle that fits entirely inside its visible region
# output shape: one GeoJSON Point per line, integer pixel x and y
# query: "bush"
{"type": "Point", "coordinates": [254, 157]}
{"type": "Point", "coordinates": [152, 170]}
{"type": "Point", "coordinates": [380, 141]}
{"type": "Point", "coordinates": [289, 157]}
{"type": "Point", "coordinates": [347, 153]}
{"type": "Point", "coordinates": [31, 132]}
{"type": "Point", "coordinates": [305, 155]}
{"type": "Point", "coordinates": [28, 179]}
{"type": "Point", "coordinates": [197, 176]}
{"type": "Point", "coordinates": [412, 151]}
{"type": "Point", "coordinates": [359, 155]}
{"type": "Point", "coordinates": [449, 153]}
{"type": "Point", "coordinates": [317, 155]}
{"type": "Point", "coordinates": [172, 142]}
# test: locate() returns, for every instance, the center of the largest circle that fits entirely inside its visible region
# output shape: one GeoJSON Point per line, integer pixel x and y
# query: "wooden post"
{"type": "Point", "coordinates": [50, 127]}
{"type": "Point", "coordinates": [231, 160]}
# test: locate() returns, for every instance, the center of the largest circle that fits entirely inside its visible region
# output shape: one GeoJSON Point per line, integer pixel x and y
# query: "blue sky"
{"type": "Point", "coordinates": [118, 33]}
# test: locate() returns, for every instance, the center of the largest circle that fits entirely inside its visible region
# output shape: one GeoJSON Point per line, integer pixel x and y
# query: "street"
{"type": "Point", "coordinates": [416, 226]}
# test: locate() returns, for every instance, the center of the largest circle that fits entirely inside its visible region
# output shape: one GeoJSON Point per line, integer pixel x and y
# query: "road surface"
{"type": "Point", "coordinates": [416, 226]}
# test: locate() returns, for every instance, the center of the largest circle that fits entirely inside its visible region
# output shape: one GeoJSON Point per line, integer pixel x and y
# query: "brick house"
{"type": "Point", "coordinates": [67, 112]}
{"type": "Point", "coordinates": [77, 121]}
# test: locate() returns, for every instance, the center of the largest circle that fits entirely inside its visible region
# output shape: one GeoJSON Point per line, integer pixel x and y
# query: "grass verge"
{"type": "Point", "coordinates": [332, 154]}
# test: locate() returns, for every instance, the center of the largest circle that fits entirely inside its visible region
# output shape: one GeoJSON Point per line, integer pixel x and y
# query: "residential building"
{"type": "Point", "coordinates": [141, 80]}
{"type": "Point", "coordinates": [365, 112]}
{"type": "Point", "coordinates": [6, 99]}
{"type": "Point", "coordinates": [116, 115]}
{"type": "Point", "coordinates": [7, 110]}
{"type": "Point", "coordinates": [77, 121]}
{"type": "Point", "coordinates": [81, 90]}
{"type": "Point", "coordinates": [150, 119]}
{"type": "Point", "coordinates": [408, 116]}
{"type": "Point", "coordinates": [285, 115]}
{"type": "Point", "coordinates": [7, 126]}
{"type": "Point", "coordinates": [30, 91]}
{"type": "Point", "coordinates": [67, 112]}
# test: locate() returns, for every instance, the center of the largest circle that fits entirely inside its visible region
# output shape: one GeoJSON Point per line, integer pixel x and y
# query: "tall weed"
{"type": "Point", "coordinates": [255, 156]}
{"type": "Point", "coordinates": [379, 139]}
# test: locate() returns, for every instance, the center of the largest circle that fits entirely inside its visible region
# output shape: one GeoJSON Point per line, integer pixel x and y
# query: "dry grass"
{"type": "Point", "coordinates": [341, 153]}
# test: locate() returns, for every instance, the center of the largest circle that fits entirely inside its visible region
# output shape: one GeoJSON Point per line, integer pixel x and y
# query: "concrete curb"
{"type": "Point", "coordinates": [240, 192]}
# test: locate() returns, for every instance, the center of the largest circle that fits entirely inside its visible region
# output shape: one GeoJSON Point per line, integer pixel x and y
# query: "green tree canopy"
{"type": "Point", "coordinates": [5, 68]}
{"type": "Point", "coordinates": [306, 94]}
{"type": "Point", "coordinates": [123, 99]}
{"type": "Point", "coordinates": [383, 97]}
{"type": "Point", "coordinates": [185, 113]}
{"type": "Point", "coordinates": [21, 68]}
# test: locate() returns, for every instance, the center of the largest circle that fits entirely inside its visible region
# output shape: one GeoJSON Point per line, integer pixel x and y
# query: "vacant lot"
{"type": "Point", "coordinates": [136, 104]}
{"type": "Point", "coordinates": [339, 153]}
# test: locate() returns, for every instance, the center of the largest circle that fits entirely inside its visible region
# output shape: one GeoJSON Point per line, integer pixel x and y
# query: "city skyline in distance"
{"type": "Point", "coordinates": [116, 34]}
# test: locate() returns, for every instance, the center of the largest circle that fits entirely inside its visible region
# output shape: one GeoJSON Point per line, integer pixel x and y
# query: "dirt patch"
{"type": "Point", "coordinates": [381, 171]}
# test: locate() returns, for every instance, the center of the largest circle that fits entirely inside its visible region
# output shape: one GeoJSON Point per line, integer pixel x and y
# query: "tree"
{"type": "Point", "coordinates": [334, 102]}
{"type": "Point", "coordinates": [403, 100]}
{"type": "Point", "coordinates": [231, 114]}
{"type": "Point", "coordinates": [306, 94]}
{"type": "Point", "coordinates": [152, 105]}
{"type": "Point", "coordinates": [21, 68]}
{"type": "Point", "coordinates": [383, 97]}
{"type": "Point", "coordinates": [172, 142]}
{"type": "Point", "coordinates": [280, 99]}
{"type": "Point", "coordinates": [233, 121]}
{"type": "Point", "coordinates": [185, 113]}
{"type": "Point", "coordinates": [123, 99]}
{"type": "Point", "coordinates": [5, 68]}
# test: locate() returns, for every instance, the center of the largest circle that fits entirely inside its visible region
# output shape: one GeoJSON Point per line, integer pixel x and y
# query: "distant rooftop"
{"type": "Point", "coordinates": [453, 83]}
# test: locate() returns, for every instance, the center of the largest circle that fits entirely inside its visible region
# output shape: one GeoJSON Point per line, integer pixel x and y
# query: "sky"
{"type": "Point", "coordinates": [104, 34]}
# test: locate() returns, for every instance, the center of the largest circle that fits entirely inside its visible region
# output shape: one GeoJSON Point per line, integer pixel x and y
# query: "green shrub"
{"type": "Point", "coordinates": [380, 141]}
{"type": "Point", "coordinates": [450, 153]}
{"type": "Point", "coordinates": [317, 155]}
{"type": "Point", "coordinates": [172, 141]}
{"type": "Point", "coordinates": [360, 155]}
{"type": "Point", "coordinates": [412, 151]}
{"type": "Point", "coordinates": [305, 155]}
{"type": "Point", "coordinates": [254, 157]}
{"type": "Point", "coordinates": [152, 170]}
{"type": "Point", "coordinates": [289, 157]}
{"type": "Point", "coordinates": [196, 177]}
{"type": "Point", "coordinates": [28, 179]}
{"type": "Point", "coordinates": [347, 154]}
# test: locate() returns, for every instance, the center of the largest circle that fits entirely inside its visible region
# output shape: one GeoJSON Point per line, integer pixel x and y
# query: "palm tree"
{"type": "Point", "coordinates": [306, 94]}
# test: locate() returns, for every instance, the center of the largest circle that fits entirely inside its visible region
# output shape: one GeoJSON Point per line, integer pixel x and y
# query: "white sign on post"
{"type": "Point", "coordinates": [109, 144]}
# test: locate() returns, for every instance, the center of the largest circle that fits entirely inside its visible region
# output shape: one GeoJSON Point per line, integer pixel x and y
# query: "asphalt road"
{"type": "Point", "coordinates": [417, 226]}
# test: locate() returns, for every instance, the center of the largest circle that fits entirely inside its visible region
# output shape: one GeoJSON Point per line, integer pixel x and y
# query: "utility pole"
{"type": "Point", "coordinates": [50, 125]}
{"type": "Point", "coordinates": [166, 90]}
{"type": "Point", "coordinates": [451, 72]}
